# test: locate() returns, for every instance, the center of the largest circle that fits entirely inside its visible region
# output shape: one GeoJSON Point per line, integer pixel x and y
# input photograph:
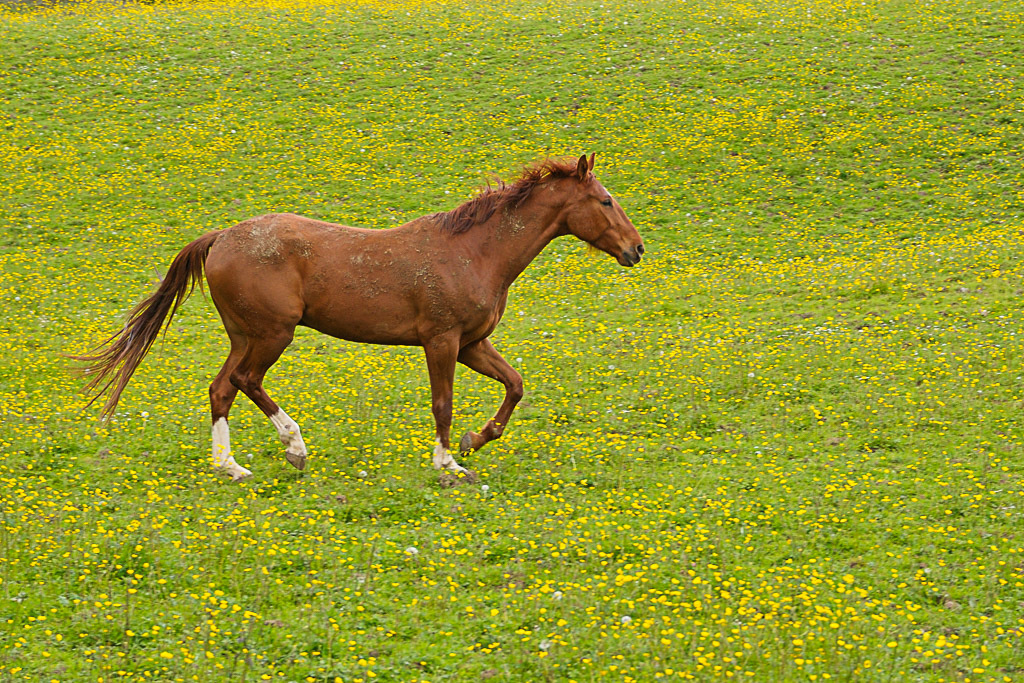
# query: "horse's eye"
{"type": "Point", "coordinates": [607, 202]}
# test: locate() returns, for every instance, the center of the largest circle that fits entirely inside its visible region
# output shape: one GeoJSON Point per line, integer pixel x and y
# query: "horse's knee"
{"type": "Point", "coordinates": [222, 386]}
{"type": "Point", "coordinates": [221, 395]}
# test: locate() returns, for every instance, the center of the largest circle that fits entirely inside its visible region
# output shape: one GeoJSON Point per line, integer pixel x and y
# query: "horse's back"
{"type": "Point", "coordinates": [352, 283]}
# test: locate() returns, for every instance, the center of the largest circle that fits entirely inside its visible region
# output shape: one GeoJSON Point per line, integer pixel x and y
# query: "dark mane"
{"type": "Point", "coordinates": [502, 196]}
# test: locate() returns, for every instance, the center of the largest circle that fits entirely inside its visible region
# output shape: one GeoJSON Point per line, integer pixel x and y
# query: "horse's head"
{"type": "Point", "coordinates": [595, 217]}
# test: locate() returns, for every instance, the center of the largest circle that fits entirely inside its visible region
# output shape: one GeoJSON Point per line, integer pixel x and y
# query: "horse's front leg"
{"type": "Point", "coordinates": [485, 359]}
{"type": "Point", "coordinates": [441, 353]}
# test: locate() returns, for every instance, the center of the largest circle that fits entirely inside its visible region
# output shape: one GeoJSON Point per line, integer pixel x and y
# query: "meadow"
{"type": "Point", "coordinates": [787, 447]}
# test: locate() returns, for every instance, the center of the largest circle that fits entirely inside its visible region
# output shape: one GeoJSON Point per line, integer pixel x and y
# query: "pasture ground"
{"type": "Point", "coordinates": [787, 447]}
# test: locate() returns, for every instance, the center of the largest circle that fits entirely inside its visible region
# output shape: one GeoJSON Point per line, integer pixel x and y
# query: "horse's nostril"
{"type": "Point", "coordinates": [640, 249]}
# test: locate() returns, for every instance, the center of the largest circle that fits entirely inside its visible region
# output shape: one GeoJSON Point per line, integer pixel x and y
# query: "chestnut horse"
{"type": "Point", "coordinates": [440, 282]}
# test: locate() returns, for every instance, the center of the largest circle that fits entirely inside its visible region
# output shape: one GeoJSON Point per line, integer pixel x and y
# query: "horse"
{"type": "Point", "coordinates": [440, 282]}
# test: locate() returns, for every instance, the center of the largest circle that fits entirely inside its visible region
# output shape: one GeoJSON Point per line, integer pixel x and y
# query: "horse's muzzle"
{"type": "Point", "coordinates": [630, 257]}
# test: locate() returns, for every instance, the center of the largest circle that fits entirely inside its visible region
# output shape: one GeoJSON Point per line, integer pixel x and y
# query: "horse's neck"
{"type": "Point", "coordinates": [517, 236]}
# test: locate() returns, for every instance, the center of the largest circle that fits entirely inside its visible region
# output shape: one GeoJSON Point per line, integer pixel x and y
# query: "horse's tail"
{"type": "Point", "coordinates": [114, 365]}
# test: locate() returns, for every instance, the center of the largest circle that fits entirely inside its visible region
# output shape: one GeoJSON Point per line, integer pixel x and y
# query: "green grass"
{"type": "Point", "coordinates": [787, 447]}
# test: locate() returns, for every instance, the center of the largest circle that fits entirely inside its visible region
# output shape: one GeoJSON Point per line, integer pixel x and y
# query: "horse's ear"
{"type": "Point", "coordinates": [590, 162]}
{"type": "Point", "coordinates": [582, 168]}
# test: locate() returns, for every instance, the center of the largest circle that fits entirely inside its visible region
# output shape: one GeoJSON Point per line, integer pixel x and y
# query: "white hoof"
{"type": "Point", "coordinates": [223, 463]}
{"type": "Point", "coordinates": [290, 436]}
{"type": "Point", "coordinates": [443, 460]}
{"type": "Point", "coordinates": [241, 475]}
{"type": "Point", "coordinates": [234, 472]}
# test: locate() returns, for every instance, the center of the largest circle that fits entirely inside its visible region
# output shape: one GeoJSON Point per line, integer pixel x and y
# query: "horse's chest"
{"type": "Point", "coordinates": [487, 314]}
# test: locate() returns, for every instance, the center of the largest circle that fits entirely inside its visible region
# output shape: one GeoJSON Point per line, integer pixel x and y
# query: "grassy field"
{"type": "Point", "coordinates": [787, 447]}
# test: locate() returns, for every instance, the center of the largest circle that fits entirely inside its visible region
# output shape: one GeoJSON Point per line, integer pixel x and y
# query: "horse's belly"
{"type": "Point", "coordinates": [364, 321]}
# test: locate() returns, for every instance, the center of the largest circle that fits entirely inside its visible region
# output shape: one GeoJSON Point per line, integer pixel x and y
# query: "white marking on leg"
{"type": "Point", "coordinates": [222, 459]}
{"type": "Point", "coordinates": [444, 460]}
{"type": "Point", "coordinates": [288, 432]}
{"type": "Point", "coordinates": [291, 437]}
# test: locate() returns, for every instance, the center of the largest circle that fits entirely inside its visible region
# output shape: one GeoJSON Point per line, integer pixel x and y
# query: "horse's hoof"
{"type": "Point", "coordinates": [236, 474]}
{"type": "Point", "coordinates": [466, 443]}
{"type": "Point", "coordinates": [296, 460]}
{"type": "Point", "coordinates": [232, 471]}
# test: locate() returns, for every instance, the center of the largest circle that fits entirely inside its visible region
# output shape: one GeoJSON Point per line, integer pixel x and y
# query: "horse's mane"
{"type": "Point", "coordinates": [502, 195]}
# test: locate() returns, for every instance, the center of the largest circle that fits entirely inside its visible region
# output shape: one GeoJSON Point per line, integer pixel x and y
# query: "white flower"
{"type": "Point", "coordinates": [626, 620]}
{"type": "Point", "coordinates": [411, 550]}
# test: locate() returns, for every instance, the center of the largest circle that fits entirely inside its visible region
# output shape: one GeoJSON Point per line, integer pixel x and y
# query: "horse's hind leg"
{"type": "Point", "coordinates": [485, 359]}
{"type": "Point", "coordinates": [248, 375]}
{"type": "Point", "coordinates": [222, 395]}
